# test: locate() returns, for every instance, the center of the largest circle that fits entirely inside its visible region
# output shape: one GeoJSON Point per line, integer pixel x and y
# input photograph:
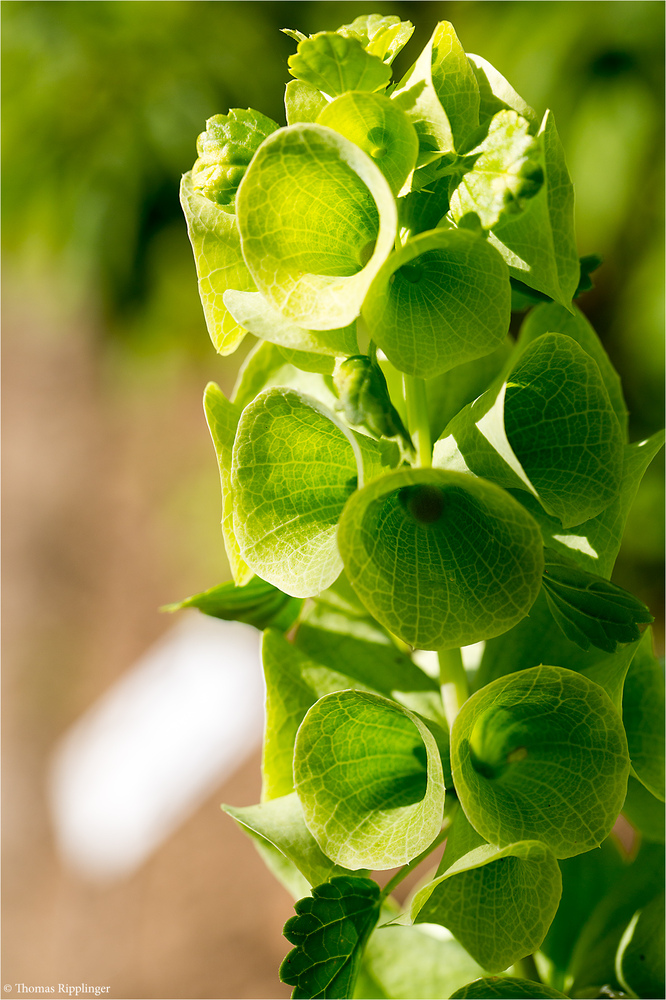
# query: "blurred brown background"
{"type": "Point", "coordinates": [111, 494]}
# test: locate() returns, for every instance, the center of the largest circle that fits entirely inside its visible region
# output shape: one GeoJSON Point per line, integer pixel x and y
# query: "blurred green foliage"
{"type": "Point", "coordinates": [103, 101]}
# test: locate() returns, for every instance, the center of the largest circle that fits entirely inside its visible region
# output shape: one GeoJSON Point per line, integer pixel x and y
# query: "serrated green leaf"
{"type": "Point", "coordinates": [643, 715]}
{"type": "Point", "coordinates": [369, 777]}
{"type": "Point", "coordinates": [222, 417]}
{"type": "Point", "coordinates": [589, 609]}
{"type": "Point", "coordinates": [256, 315]}
{"type": "Point", "coordinates": [317, 220]}
{"type": "Point", "coordinates": [380, 36]}
{"type": "Point", "coordinates": [280, 823]}
{"type": "Point", "coordinates": [549, 317]}
{"type": "Point", "coordinates": [293, 468]}
{"type": "Point", "coordinates": [506, 175]}
{"type": "Point", "coordinates": [440, 559]}
{"type": "Point", "coordinates": [302, 102]}
{"type": "Point", "coordinates": [225, 149]}
{"type": "Point", "coordinates": [330, 930]}
{"type": "Point", "coordinates": [539, 244]}
{"type": "Point", "coordinates": [335, 64]}
{"type": "Point", "coordinates": [506, 988]}
{"type": "Point", "coordinates": [593, 959]}
{"type": "Point", "coordinates": [412, 962]}
{"type": "Point", "coordinates": [256, 603]}
{"type": "Point", "coordinates": [514, 433]}
{"type": "Point", "coordinates": [216, 244]}
{"type": "Point", "coordinates": [541, 754]}
{"type": "Point", "coordinates": [498, 902]}
{"type": "Point", "coordinates": [380, 128]}
{"type": "Point", "coordinates": [441, 300]}
{"type": "Point", "coordinates": [497, 94]}
{"type": "Point", "coordinates": [639, 963]}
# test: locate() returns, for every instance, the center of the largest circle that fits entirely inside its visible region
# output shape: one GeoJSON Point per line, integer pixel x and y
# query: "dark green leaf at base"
{"type": "Point", "coordinates": [330, 930]}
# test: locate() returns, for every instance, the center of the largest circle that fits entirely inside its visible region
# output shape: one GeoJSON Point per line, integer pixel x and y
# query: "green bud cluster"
{"type": "Point", "coordinates": [225, 150]}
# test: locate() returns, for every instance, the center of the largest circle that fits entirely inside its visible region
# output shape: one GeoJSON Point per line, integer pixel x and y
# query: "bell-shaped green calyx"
{"type": "Point", "coordinates": [443, 299]}
{"type": "Point", "coordinates": [225, 149]}
{"type": "Point", "coordinates": [369, 777]}
{"type": "Point", "coordinates": [548, 427]}
{"type": "Point", "coordinates": [218, 257]}
{"type": "Point", "coordinates": [317, 220]}
{"type": "Point", "coordinates": [441, 559]}
{"type": "Point", "coordinates": [380, 128]}
{"type": "Point", "coordinates": [293, 466]}
{"type": "Point", "coordinates": [541, 755]}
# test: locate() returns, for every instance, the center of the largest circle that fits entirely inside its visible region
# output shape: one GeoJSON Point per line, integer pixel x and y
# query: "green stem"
{"type": "Point", "coordinates": [406, 869]}
{"type": "Point", "coordinates": [417, 418]}
{"type": "Point", "coordinates": [452, 682]}
{"type": "Point", "coordinates": [526, 969]}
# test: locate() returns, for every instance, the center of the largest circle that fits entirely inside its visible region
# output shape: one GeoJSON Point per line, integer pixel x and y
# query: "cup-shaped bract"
{"type": "Point", "coordinates": [380, 128]}
{"type": "Point", "coordinates": [317, 220]}
{"type": "Point", "coordinates": [541, 754]}
{"type": "Point", "coordinates": [442, 299]}
{"type": "Point", "coordinates": [441, 559]}
{"type": "Point", "coordinates": [547, 427]}
{"type": "Point", "coordinates": [369, 777]}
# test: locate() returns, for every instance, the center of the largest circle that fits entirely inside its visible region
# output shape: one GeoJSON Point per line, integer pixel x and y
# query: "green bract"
{"type": "Point", "coordinates": [293, 468]}
{"type": "Point", "coordinates": [514, 433]}
{"type": "Point", "coordinates": [439, 558]}
{"type": "Point", "coordinates": [408, 489]}
{"type": "Point", "coordinates": [317, 220]}
{"type": "Point", "coordinates": [499, 902]}
{"type": "Point", "coordinates": [541, 755]}
{"type": "Point", "coordinates": [378, 127]}
{"type": "Point", "coordinates": [369, 778]}
{"type": "Point", "coordinates": [441, 300]}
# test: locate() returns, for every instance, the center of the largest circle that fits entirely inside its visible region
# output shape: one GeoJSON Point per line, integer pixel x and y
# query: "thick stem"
{"type": "Point", "coordinates": [406, 869]}
{"type": "Point", "coordinates": [526, 969]}
{"type": "Point", "coordinates": [452, 682]}
{"type": "Point", "coordinates": [417, 419]}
